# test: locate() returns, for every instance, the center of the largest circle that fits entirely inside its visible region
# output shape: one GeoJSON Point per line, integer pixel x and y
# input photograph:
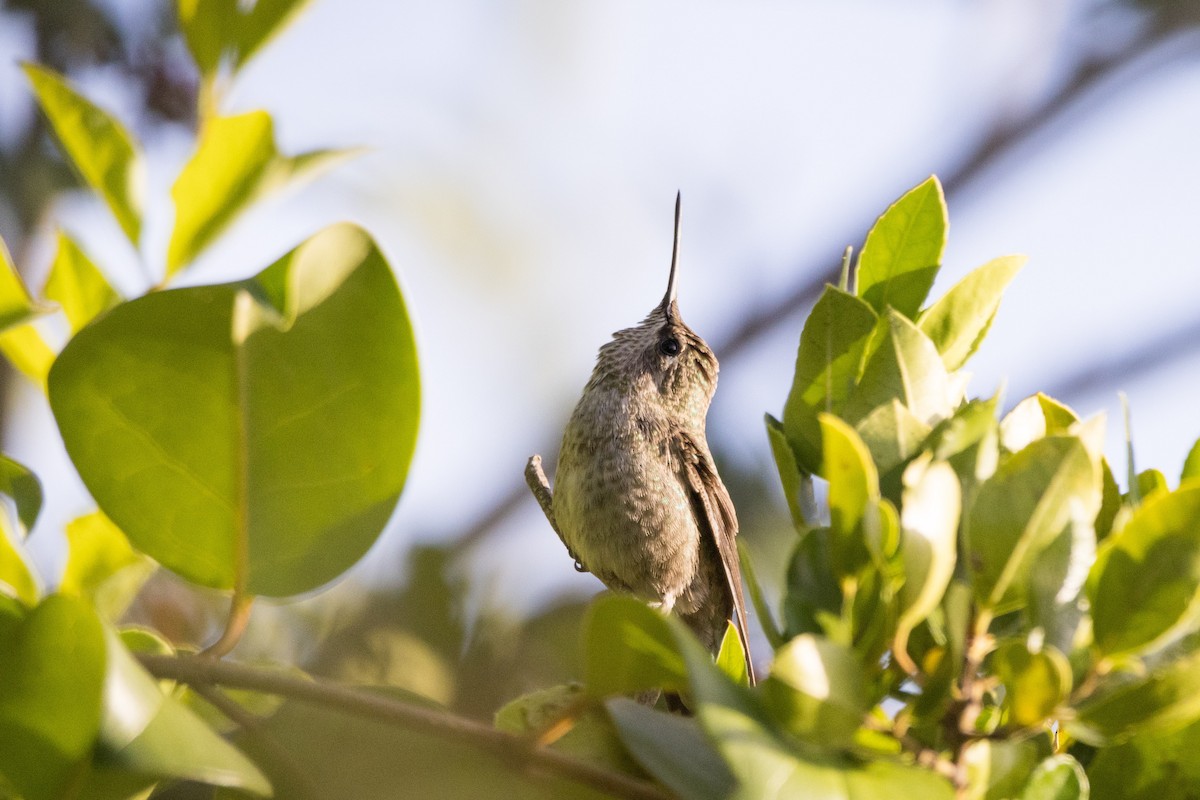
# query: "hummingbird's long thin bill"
{"type": "Point", "coordinates": [672, 287]}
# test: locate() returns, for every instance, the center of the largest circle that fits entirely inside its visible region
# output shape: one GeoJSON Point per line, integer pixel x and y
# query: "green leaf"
{"type": "Point", "coordinates": [16, 306]}
{"type": "Point", "coordinates": [1129, 705]}
{"type": "Point", "coordinates": [892, 433]}
{"type": "Point", "coordinates": [827, 364]}
{"type": "Point", "coordinates": [1059, 777]}
{"type": "Point", "coordinates": [1145, 584]}
{"type": "Point", "coordinates": [52, 665]}
{"type": "Point", "coordinates": [218, 29]}
{"type": "Point", "coordinates": [17, 578]}
{"type": "Point", "coordinates": [101, 565]}
{"type": "Point", "coordinates": [959, 320]}
{"type": "Point", "coordinates": [1036, 681]}
{"type": "Point", "coordinates": [1056, 582]}
{"type": "Point", "coordinates": [1191, 465]}
{"type": "Point", "coordinates": [146, 733]}
{"type": "Point", "coordinates": [591, 737]}
{"type": "Point", "coordinates": [817, 691]}
{"type": "Point", "coordinates": [1151, 482]}
{"type": "Point", "coordinates": [813, 599]}
{"type": "Point", "coordinates": [226, 436]}
{"type": "Point", "coordinates": [1159, 767]}
{"type": "Point", "coordinates": [1017, 512]}
{"type": "Point", "coordinates": [969, 441]}
{"type": "Point", "coordinates": [999, 769]}
{"type": "Point", "coordinates": [731, 658]}
{"type": "Point", "coordinates": [853, 493]}
{"type": "Point", "coordinates": [671, 748]}
{"type": "Point", "coordinates": [235, 163]}
{"type": "Point", "coordinates": [789, 472]}
{"type": "Point", "coordinates": [928, 548]}
{"type": "Point", "coordinates": [28, 352]}
{"type": "Point", "coordinates": [19, 483]}
{"type": "Point", "coordinates": [903, 251]}
{"type": "Point", "coordinates": [629, 648]}
{"type": "Point", "coordinates": [904, 366]}
{"type": "Point", "coordinates": [77, 285]}
{"type": "Point", "coordinates": [97, 144]}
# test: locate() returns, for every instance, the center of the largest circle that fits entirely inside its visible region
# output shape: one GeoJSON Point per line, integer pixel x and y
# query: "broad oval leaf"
{"type": "Point", "coordinates": [1017, 512]}
{"type": "Point", "coordinates": [959, 320]}
{"type": "Point", "coordinates": [1159, 767]}
{"type": "Point", "coordinates": [147, 735]}
{"type": "Point", "coordinates": [629, 647]}
{"type": "Point", "coordinates": [235, 163]}
{"type": "Point", "coordinates": [97, 144]}
{"type": "Point", "coordinates": [1059, 777]}
{"type": "Point", "coordinates": [1035, 680]}
{"type": "Point", "coordinates": [853, 493]}
{"type": "Point", "coordinates": [671, 748]}
{"type": "Point", "coordinates": [929, 519]}
{"type": "Point", "coordinates": [892, 433]}
{"type": "Point", "coordinates": [827, 364]}
{"type": "Point", "coordinates": [261, 428]}
{"type": "Point", "coordinates": [1125, 705]}
{"type": "Point", "coordinates": [903, 251]}
{"type": "Point", "coordinates": [903, 365]}
{"type": "Point", "coordinates": [53, 665]}
{"type": "Point", "coordinates": [817, 690]}
{"type": "Point", "coordinates": [220, 29]}
{"type": "Point", "coordinates": [1145, 584]}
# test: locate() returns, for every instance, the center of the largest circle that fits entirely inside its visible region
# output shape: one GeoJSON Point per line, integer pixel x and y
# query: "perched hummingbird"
{"type": "Point", "coordinates": [637, 500]}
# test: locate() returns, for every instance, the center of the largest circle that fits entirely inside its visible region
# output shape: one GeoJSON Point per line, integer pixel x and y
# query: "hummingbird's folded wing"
{"type": "Point", "coordinates": [718, 521]}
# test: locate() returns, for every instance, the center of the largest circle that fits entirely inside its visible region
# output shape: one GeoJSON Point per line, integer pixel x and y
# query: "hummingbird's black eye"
{"type": "Point", "coordinates": [669, 346]}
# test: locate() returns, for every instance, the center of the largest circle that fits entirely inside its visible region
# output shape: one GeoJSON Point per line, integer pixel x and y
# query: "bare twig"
{"type": "Point", "coordinates": [518, 752]}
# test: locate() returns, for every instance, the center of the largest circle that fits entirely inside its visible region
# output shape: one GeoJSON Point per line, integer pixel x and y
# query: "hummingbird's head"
{"type": "Point", "coordinates": [662, 356]}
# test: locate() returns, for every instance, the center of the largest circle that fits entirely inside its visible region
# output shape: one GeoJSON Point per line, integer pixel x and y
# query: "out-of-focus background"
{"type": "Point", "coordinates": [522, 163]}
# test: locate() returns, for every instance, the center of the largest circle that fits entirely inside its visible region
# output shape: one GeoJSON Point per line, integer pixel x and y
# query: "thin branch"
{"type": "Point", "coordinates": [519, 753]}
{"type": "Point", "coordinates": [1003, 138]}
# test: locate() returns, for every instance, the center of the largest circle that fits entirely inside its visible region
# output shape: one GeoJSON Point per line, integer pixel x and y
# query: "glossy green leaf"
{"type": "Point", "coordinates": [929, 519]}
{"type": "Point", "coordinates": [220, 29]}
{"type": "Point", "coordinates": [731, 657]}
{"type": "Point", "coordinates": [1127, 705]}
{"type": "Point", "coordinates": [629, 648]}
{"type": "Point", "coordinates": [853, 493]}
{"type": "Point", "coordinates": [98, 145]}
{"type": "Point", "coordinates": [1056, 580]}
{"type": "Point", "coordinates": [146, 733]}
{"type": "Point", "coordinates": [892, 433]}
{"type": "Point", "coordinates": [817, 691]}
{"type": "Point", "coordinates": [789, 472]}
{"type": "Point", "coordinates": [1159, 767]}
{"type": "Point", "coordinates": [16, 306]}
{"type": "Point", "coordinates": [53, 666]}
{"type": "Point", "coordinates": [903, 251]}
{"type": "Point", "coordinates": [101, 565]}
{"type": "Point", "coordinates": [827, 364]}
{"type": "Point", "coordinates": [18, 483]}
{"type": "Point", "coordinates": [903, 366]}
{"type": "Point", "coordinates": [813, 599]}
{"type": "Point", "coordinates": [1145, 584]}
{"type": "Point", "coordinates": [1191, 464]}
{"type": "Point", "coordinates": [1000, 769]}
{"type": "Point", "coordinates": [1017, 512]}
{"type": "Point", "coordinates": [235, 163]}
{"type": "Point", "coordinates": [1036, 681]}
{"type": "Point", "coordinates": [671, 748]}
{"type": "Point", "coordinates": [1059, 777]}
{"type": "Point", "coordinates": [77, 284]}
{"type": "Point", "coordinates": [265, 425]}
{"type": "Point", "coordinates": [958, 322]}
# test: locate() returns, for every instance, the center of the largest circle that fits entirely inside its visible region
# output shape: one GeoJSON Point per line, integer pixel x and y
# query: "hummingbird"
{"type": "Point", "coordinates": [637, 499]}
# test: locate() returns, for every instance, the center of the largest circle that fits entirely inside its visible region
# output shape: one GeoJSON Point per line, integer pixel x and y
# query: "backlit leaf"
{"type": "Point", "coordinates": [958, 322]}
{"type": "Point", "coordinates": [903, 251]}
